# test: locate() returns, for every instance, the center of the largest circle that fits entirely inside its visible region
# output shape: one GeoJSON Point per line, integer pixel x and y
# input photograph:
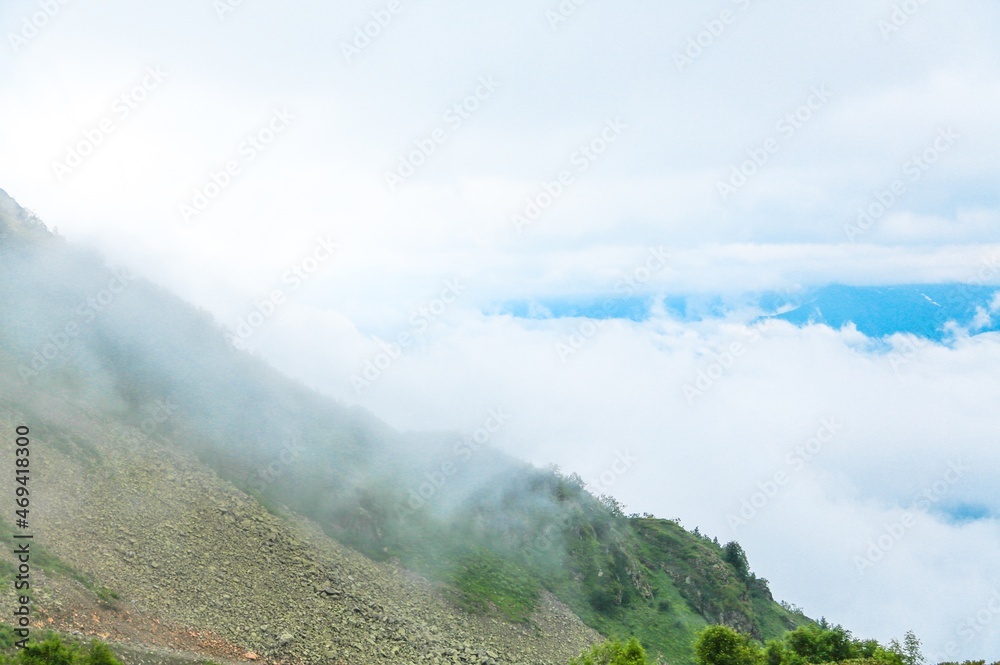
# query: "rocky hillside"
{"type": "Point", "coordinates": [178, 546]}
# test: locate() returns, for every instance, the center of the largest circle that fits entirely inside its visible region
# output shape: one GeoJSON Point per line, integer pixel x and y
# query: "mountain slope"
{"type": "Point", "coordinates": [178, 545]}
{"type": "Point", "coordinates": [494, 536]}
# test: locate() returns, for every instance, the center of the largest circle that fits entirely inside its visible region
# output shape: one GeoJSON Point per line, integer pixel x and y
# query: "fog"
{"type": "Point", "coordinates": [766, 148]}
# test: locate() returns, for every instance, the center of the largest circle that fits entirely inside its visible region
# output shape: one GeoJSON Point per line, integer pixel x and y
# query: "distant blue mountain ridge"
{"type": "Point", "coordinates": [877, 311]}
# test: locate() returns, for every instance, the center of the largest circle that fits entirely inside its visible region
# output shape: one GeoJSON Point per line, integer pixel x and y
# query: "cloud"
{"type": "Point", "coordinates": [877, 488]}
{"type": "Point", "coordinates": [892, 90]}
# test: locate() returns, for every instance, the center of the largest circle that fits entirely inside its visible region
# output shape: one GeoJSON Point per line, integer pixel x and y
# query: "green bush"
{"type": "Point", "coordinates": [612, 652]}
{"type": "Point", "coordinates": [822, 644]}
{"type": "Point", "coordinates": [721, 645]}
{"type": "Point", "coordinates": [6, 636]}
{"type": "Point", "coordinates": [53, 651]}
{"type": "Point", "coordinates": [100, 654]}
{"type": "Point", "coordinates": [50, 652]}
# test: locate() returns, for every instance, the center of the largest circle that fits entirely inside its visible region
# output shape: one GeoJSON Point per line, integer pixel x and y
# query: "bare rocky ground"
{"type": "Point", "coordinates": [203, 572]}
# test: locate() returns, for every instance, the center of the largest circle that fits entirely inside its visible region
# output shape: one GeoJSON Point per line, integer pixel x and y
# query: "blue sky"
{"type": "Point", "coordinates": [859, 141]}
{"type": "Point", "coordinates": [930, 311]}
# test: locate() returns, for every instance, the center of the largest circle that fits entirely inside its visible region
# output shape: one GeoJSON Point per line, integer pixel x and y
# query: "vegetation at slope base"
{"type": "Point", "coordinates": [814, 644]}
{"type": "Point", "coordinates": [52, 650]}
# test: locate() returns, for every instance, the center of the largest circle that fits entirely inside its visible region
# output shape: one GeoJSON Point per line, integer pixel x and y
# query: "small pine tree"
{"type": "Point", "coordinates": [614, 506]}
{"type": "Point", "coordinates": [911, 650]}
{"type": "Point", "coordinates": [734, 555]}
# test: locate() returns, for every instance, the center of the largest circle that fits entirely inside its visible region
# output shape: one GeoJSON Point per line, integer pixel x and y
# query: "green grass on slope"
{"type": "Point", "coordinates": [664, 624]}
{"type": "Point", "coordinates": [52, 565]}
{"type": "Point", "coordinates": [488, 582]}
{"type": "Point", "coordinates": [774, 619]}
{"type": "Point", "coordinates": [695, 565]}
{"type": "Point", "coordinates": [40, 558]}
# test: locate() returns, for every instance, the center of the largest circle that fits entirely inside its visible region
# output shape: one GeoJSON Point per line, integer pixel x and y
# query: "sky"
{"type": "Point", "coordinates": [358, 191]}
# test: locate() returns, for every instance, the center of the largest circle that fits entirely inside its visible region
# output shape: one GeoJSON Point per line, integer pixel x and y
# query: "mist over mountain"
{"type": "Point", "coordinates": [90, 351]}
{"type": "Point", "coordinates": [413, 312]}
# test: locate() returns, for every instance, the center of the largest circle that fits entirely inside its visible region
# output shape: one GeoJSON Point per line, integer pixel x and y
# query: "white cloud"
{"type": "Point", "coordinates": [904, 420]}
{"type": "Point", "coordinates": [656, 186]}
{"type": "Point", "coordinates": [901, 421]}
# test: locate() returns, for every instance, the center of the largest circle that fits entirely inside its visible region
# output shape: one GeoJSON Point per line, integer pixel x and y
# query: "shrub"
{"type": "Point", "coordinates": [612, 652]}
{"type": "Point", "coordinates": [721, 645]}
{"type": "Point", "coordinates": [50, 652]}
{"type": "Point", "coordinates": [53, 651]}
{"type": "Point", "coordinates": [6, 636]}
{"type": "Point", "coordinates": [100, 654]}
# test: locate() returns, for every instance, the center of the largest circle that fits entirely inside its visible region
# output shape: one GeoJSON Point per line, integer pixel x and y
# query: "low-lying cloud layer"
{"type": "Point", "coordinates": [353, 188]}
{"type": "Point", "coordinates": [847, 471]}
